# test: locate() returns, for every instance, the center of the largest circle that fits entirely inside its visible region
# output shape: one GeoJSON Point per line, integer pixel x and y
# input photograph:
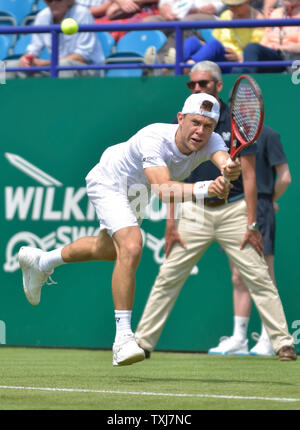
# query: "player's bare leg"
{"type": "Point", "coordinates": [100, 248]}
{"type": "Point", "coordinates": [37, 265]}
{"type": "Point", "coordinates": [128, 244]}
{"type": "Point", "coordinates": [125, 248]}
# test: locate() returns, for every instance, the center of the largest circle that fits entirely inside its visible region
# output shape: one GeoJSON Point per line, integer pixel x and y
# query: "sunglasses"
{"type": "Point", "coordinates": [202, 83]}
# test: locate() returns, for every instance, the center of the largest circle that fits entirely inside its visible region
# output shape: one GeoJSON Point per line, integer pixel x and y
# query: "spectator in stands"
{"type": "Point", "coordinates": [227, 44]}
{"type": "Point", "coordinates": [77, 49]}
{"type": "Point", "coordinates": [180, 10]}
{"type": "Point", "coordinates": [126, 11]}
{"type": "Point", "coordinates": [97, 8]}
{"type": "Point", "coordinates": [187, 10]}
{"type": "Point", "coordinates": [278, 43]}
{"type": "Point", "coordinates": [268, 6]}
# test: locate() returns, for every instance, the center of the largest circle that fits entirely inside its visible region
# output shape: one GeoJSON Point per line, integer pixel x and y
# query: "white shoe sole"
{"type": "Point", "coordinates": [229, 353]}
{"type": "Point", "coordinates": [130, 360]}
{"type": "Point", "coordinates": [259, 354]}
{"type": "Point", "coordinates": [26, 279]}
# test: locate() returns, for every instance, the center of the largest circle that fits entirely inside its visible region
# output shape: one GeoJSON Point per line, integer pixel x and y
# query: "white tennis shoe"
{"type": "Point", "coordinates": [263, 347]}
{"type": "Point", "coordinates": [126, 351]}
{"type": "Point", "coordinates": [33, 277]}
{"type": "Point", "coordinates": [230, 346]}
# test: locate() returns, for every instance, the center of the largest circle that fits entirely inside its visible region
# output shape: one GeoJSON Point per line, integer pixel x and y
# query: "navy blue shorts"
{"type": "Point", "coordinates": [266, 222]}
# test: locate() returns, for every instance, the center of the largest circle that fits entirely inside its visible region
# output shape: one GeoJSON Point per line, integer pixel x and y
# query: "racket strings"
{"type": "Point", "coordinates": [246, 111]}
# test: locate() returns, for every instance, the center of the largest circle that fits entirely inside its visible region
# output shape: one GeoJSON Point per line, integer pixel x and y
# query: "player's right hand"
{"type": "Point", "coordinates": [220, 188]}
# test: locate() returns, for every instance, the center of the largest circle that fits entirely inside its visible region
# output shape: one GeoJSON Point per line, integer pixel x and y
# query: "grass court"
{"type": "Point", "coordinates": [79, 379]}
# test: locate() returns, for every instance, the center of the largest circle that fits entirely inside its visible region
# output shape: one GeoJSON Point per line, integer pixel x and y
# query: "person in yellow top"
{"type": "Point", "coordinates": [278, 43]}
{"type": "Point", "coordinates": [227, 44]}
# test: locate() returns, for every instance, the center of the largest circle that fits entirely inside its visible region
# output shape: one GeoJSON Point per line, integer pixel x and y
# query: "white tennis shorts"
{"type": "Point", "coordinates": [113, 207]}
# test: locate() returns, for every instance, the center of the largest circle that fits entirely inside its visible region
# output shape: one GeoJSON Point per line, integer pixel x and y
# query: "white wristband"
{"type": "Point", "coordinates": [201, 189]}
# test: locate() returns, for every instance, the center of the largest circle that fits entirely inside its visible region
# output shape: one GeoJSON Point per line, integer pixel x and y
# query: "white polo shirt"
{"type": "Point", "coordinates": [152, 146]}
{"type": "Point", "coordinates": [112, 183]}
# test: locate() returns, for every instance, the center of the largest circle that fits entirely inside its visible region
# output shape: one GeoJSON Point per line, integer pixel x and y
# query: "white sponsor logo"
{"type": "Point", "coordinates": [295, 72]}
{"type": "Point", "coordinates": [2, 333]}
{"type": "Point", "coordinates": [226, 136]}
{"type": "Point", "coordinates": [296, 333]}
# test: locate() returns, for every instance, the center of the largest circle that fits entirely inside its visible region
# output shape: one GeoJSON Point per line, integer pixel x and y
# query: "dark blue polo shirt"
{"type": "Point", "coordinates": [208, 171]}
{"type": "Point", "coordinates": [269, 153]}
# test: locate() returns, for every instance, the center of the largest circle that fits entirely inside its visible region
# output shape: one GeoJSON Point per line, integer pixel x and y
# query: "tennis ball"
{"type": "Point", "coordinates": [69, 26]}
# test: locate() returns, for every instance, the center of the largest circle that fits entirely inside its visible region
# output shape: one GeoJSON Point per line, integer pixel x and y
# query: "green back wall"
{"type": "Point", "coordinates": [61, 127]}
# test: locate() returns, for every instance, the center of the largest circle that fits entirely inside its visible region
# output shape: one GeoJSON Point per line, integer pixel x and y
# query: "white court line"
{"type": "Point", "coordinates": [144, 393]}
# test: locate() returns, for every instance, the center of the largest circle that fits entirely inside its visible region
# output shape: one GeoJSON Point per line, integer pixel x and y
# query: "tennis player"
{"type": "Point", "coordinates": [158, 156]}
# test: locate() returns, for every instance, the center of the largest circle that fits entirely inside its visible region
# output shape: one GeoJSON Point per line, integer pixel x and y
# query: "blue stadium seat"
{"type": "Point", "coordinates": [107, 42]}
{"type": "Point", "coordinates": [39, 5]}
{"type": "Point", "coordinates": [29, 19]}
{"type": "Point", "coordinates": [123, 73]}
{"type": "Point", "coordinates": [8, 19]}
{"type": "Point", "coordinates": [124, 57]}
{"type": "Point", "coordinates": [139, 41]}
{"type": "Point", "coordinates": [21, 46]}
{"type": "Point", "coordinates": [206, 34]}
{"type": "Point", "coordinates": [16, 7]}
{"type": "Point", "coordinates": [5, 44]}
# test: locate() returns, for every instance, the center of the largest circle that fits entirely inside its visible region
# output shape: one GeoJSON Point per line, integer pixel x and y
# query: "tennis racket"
{"type": "Point", "coordinates": [246, 114]}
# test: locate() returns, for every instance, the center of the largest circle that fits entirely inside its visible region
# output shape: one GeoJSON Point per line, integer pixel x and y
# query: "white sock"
{"type": "Point", "coordinates": [50, 260]}
{"type": "Point", "coordinates": [123, 323]}
{"type": "Point", "coordinates": [240, 327]}
{"type": "Point", "coordinates": [264, 335]}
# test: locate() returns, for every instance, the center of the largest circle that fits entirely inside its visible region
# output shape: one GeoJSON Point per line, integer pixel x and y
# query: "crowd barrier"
{"type": "Point", "coordinates": [177, 26]}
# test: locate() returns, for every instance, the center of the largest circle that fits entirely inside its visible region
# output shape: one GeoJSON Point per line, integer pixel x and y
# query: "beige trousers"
{"type": "Point", "coordinates": [226, 225]}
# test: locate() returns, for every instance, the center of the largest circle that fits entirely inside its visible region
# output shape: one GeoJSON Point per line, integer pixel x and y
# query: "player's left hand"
{"type": "Point", "coordinates": [254, 238]}
{"type": "Point", "coordinates": [232, 170]}
{"type": "Point", "coordinates": [219, 188]}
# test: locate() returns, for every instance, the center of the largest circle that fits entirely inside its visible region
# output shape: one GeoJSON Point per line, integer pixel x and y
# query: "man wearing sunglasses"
{"type": "Point", "coordinates": [77, 49]}
{"type": "Point", "coordinates": [232, 225]}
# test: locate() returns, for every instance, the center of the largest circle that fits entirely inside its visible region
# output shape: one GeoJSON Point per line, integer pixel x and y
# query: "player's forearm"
{"type": "Point", "coordinates": [176, 192]}
{"type": "Point", "coordinates": [173, 191]}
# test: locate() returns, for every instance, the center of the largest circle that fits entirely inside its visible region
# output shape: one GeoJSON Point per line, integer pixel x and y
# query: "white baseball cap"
{"type": "Point", "coordinates": [194, 104]}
